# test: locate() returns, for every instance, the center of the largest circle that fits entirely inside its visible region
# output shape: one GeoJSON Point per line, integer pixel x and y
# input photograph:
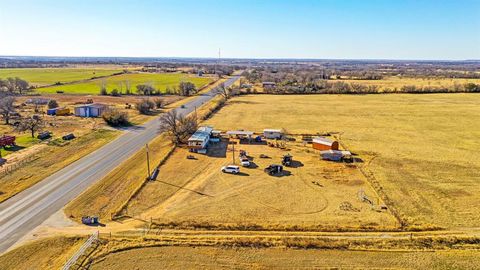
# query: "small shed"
{"type": "Point", "coordinates": [322, 143]}
{"type": "Point", "coordinates": [273, 133]}
{"type": "Point", "coordinates": [335, 155]}
{"type": "Point", "coordinates": [58, 111]}
{"type": "Point", "coordinates": [90, 110]}
{"type": "Point", "coordinates": [270, 85]}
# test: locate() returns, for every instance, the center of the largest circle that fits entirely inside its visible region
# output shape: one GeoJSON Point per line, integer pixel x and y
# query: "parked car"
{"type": "Point", "coordinates": [87, 220]}
{"type": "Point", "coordinates": [245, 162]}
{"type": "Point", "coordinates": [231, 169]}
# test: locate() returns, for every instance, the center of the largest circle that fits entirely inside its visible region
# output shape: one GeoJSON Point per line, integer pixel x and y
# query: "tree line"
{"type": "Point", "coordinates": [340, 87]}
{"type": "Point", "coordinates": [183, 89]}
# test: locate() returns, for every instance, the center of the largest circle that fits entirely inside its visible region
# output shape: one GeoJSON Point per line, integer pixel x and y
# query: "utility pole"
{"type": "Point", "coordinates": [148, 162]}
{"type": "Point", "coordinates": [233, 155]}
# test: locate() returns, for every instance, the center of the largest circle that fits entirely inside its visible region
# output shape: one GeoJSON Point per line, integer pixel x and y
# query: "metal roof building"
{"type": "Point", "coordinates": [322, 143]}
{"type": "Point", "coordinates": [199, 140]}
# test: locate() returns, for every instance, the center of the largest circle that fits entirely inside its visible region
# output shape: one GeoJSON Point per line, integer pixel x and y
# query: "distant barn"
{"type": "Point", "coordinates": [322, 143]}
{"type": "Point", "coordinates": [90, 110]}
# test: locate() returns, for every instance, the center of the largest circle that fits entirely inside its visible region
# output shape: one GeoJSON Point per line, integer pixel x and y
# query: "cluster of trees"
{"type": "Point", "coordinates": [340, 87]}
{"type": "Point", "coordinates": [177, 126]}
{"type": "Point", "coordinates": [183, 89]}
{"type": "Point", "coordinates": [14, 86]}
{"type": "Point", "coordinates": [115, 117]}
{"type": "Point", "coordinates": [359, 70]}
{"type": "Point", "coordinates": [7, 107]}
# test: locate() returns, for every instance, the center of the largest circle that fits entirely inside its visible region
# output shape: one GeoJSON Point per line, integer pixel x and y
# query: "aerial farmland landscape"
{"type": "Point", "coordinates": [240, 134]}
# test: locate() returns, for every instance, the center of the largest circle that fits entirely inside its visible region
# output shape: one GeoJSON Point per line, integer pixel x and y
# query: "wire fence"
{"type": "Point", "coordinates": [73, 260]}
{"type": "Point", "coordinates": [10, 168]}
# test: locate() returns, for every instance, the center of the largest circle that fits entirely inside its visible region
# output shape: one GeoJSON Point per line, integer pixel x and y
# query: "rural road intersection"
{"type": "Point", "coordinates": [29, 208]}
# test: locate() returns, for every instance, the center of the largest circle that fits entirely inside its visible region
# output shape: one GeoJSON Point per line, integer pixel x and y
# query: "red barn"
{"type": "Point", "coordinates": [322, 143]}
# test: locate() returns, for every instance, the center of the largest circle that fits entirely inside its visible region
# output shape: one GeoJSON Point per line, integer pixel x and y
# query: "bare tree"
{"type": "Point", "coordinates": [32, 124]}
{"type": "Point", "coordinates": [186, 88]}
{"type": "Point", "coordinates": [103, 88]}
{"type": "Point", "coordinates": [177, 126]}
{"type": "Point", "coordinates": [128, 89]}
{"type": "Point", "coordinates": [224, 91]}
{"type": "Point", "coordinates": [7, 108]}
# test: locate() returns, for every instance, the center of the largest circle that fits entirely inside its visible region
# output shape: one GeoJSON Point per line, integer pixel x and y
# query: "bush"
{"type": "Point", "coordinates": [145, 106]}
{"type": "Point", "coordinates": [52, 104]}
{"type": "Point", "coordinates": [145, 89]}
{"type": "Point", "coordinates": [103, 91]}
{"type": "Point", "coordinates": [115, 118]}
{"type": "Point", "coordinates": [159, 103]}
{"type": "Point", "coordinates": [115, 93]}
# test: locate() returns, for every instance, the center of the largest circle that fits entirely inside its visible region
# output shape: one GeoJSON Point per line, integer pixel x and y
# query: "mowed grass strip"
{"type": "Point", "coordinates": [50, 160]}
{"type": "Point", "coordinates": [107, 197]}
{"type": "Point", "coordinates": [167, 257]}
{"type": "Point", "coordinates": [424, 147]}
{"type": "Point", "coordinates": [158, 80]}
{"type": "Point", "coordinates": [48, 76]}
{"type": "Point", "coordinates": [49, 253]}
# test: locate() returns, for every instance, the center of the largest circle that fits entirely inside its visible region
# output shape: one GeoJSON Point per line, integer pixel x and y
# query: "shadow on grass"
{"type": "Point", "coordinates": [184, 188]}
{"type": "Point", "coordinates": [295, 164]}
{"type": "Point", "coordinates": [13, 148]}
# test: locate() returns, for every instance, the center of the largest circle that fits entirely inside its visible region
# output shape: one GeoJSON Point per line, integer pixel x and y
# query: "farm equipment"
{"type": "Point", "coordinates": [44, 135]}
{"type": "Point", "coordinates": [273, 169]}
{"type": "Point", "coordinates": [287, 160]}
{"type": "Point", "coordinates": [243, 153]}
{"type": "Point", "coordinates": [87, 220]}
{"type": "Point", "coordinates": [6, 140]}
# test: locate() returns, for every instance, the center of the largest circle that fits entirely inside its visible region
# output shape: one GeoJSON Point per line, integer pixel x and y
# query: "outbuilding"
{"type": "Point", "coordinates": [273, 133]}
{"type": "Point", "coordinates": [198, 142]}
{"type": "Point", "coordinates": [90, 110]}
{"type": "Point", "coordinates": [322, 143]}
{"type": "Point", "coordinates": [58, 111]}
{"type": "Point", "coordinates": [335, 155]}
{"type": "Point", "coordinates": [269, 85]}
{"type": "Point", "coordinates": [240, 134]}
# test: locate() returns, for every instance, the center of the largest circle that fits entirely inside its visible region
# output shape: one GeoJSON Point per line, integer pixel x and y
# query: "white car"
{"type": "Point", "coordinates": [245, 162]}
{"type": "Point", "coordinates": [231, 169]}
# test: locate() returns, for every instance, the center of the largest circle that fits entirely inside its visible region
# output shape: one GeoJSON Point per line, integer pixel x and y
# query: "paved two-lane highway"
{"type": "Point", "coordinates": [28, 209]}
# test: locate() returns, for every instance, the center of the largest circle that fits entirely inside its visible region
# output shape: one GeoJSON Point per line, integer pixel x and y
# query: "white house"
{"type": "Point", "coordinates": [198, 142]}
{"type": "Point", "coordinates": [273, 133]}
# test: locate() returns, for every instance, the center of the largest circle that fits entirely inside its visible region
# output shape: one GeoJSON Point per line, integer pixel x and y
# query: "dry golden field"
{"type": "Point", "coordinates": [422, 149]}
{"type": "Point", "coordinates": [277, 258]}
{"type": "Point", "coordinates": [393, 82]}
{"type": "Point", "coordinates": [49, 253]}
{"type": "Point", "coordinates": [313, 195]}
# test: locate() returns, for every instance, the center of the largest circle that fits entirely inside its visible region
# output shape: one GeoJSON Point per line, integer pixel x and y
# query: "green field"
{"type": "Point", "coordinates": [22, 142]}
{"type": "Point", "coordinates": [48, 76]}
{"type": "Point", "coordinates": [159, 81]}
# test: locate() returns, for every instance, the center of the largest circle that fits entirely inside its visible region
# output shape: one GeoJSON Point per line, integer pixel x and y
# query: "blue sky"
{"type": "Point", "coordinates": [327, 29]}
